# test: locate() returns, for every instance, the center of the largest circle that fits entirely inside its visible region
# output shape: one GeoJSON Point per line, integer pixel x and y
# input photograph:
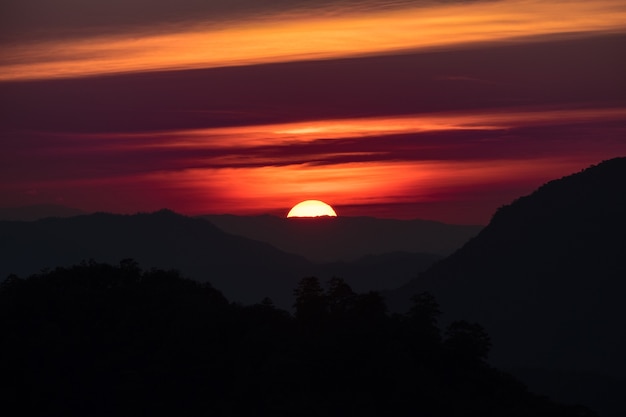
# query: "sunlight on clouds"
{"type": "Point", "coordinates": [259, 169]}
{"type": "Point", "coordinates": [305, 132]}
{"type": "Point", "coordinates": [485, 120]}
{"type": "Point", "coordinates": [249, 190]}
{"type": "Point", "coordinates": [276, 187]}
{"type": "Point", "coordinates": [301, 38]}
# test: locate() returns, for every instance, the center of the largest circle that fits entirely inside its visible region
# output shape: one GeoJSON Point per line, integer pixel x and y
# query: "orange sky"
{"type": "Point", "coordinates": [299, 36]}
{"type": "Point", "coordinates": [442, 112]}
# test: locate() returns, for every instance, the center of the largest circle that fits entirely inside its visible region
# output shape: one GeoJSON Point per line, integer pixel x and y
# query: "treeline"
{"type": "Point", "coordinates": [103, 340]}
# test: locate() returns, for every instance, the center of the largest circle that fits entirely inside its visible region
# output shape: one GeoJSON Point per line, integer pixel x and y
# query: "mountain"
{"type": "Point", "coordinates": [36, 212]}
{"type": "Point", "coordinates": [347, 238]}
{"type": "Point", "coordinates": [377, 272]}
{"type": "Point", "coordinates": [243, 269]}
{"type": "Point", "coordinates": [546, 277]}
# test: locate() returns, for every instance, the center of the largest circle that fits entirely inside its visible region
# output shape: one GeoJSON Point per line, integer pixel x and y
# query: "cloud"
{"type": "Point", "coordinates": [438, 102]}
{"type": "Point", "coordinates": [41, 19]}
{"type": "Point", "coordinates": [331, 147]}
{"type": "Point", "coordinates": [250, 42]}
{"type": "Point", "coordinates": [583, 73]}
{"type": "Point", "coordinates": [419, 171]}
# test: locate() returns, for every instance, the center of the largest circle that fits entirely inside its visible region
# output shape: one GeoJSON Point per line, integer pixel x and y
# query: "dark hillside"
{"type": "Point", "coordinates": [547, 276]}
{"type": "Point", "coordinates": [102, 340]}
{"type": "Point", "coordinates": [377, 272]}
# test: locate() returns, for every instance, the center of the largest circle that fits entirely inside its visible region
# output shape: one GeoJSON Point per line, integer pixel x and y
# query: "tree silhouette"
{"type": "Point", "coordinates": [370, 307]}
{"type": "Point", "coordinates": [97, 339]}
{"type": "Point", "coordinates": [468, 341]}
{"type": "Point", "coordinates": [311, 302]}
{"type": "Point", "coordinates": [422, 317]}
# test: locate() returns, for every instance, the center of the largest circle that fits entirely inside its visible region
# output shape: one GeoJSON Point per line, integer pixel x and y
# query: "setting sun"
{"type": "Point", "coordinates": [311, 208]}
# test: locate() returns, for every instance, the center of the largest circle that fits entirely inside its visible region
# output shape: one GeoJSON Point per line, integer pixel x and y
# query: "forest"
{"type": "Point", "coordinates": [99, 339]}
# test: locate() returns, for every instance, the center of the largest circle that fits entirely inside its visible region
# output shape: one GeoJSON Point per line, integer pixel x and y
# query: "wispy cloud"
{"type": "Point", "coordinates": [487, 100]}
{"type": "Point", "coordinates": [353, 162]}
{"type": "Point", "coordinates": [243, 139]}
{"type": "Point", "coordinates": [301, 38]}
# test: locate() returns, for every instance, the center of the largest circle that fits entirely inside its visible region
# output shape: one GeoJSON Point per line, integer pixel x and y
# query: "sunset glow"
{"type": "Point", "coordinates": [437, 110]}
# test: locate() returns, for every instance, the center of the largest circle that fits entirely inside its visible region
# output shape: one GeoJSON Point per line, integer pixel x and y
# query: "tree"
{"type": "Point", "coordinates": [370, 306]}
{"type": "Point", "coordinates": [423, 317]}
{"type": "Point", "coordinates": [425, 309]}
{"type": "Point", "coordinates": [468, 341]}
{"type": "Point", "coordinates": [339, 296]}
{"type": "Point", "coordinates": [311, 302]}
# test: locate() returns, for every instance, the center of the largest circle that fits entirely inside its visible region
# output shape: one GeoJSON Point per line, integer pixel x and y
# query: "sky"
{"type": "Point", "coordinates": [440, 110]}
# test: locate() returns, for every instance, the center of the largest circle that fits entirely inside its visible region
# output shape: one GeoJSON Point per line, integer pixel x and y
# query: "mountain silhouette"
{"type": "Point", "coordinates": [377, 272]}
{"type": "Point", "coordinates": [243, 269]}
{"type": "Point", "coordinates": [546, 277]}
{"type": "Point", "coordinates": [347, 238]}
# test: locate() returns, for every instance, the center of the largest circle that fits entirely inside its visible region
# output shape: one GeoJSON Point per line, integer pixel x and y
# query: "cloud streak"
{"type": "Point", "coordinates": [294, 39]}
{"type": "Point", "coordinates": [444, 110]}
{"type": "Point", "coordinates": [417, 159]}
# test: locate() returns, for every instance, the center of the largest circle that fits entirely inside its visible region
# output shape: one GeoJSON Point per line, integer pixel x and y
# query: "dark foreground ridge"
{"type": "Point", "coordinates": [102, 340]}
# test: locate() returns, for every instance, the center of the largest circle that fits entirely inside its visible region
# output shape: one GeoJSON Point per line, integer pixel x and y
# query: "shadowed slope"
{"type": "Point", "coordinates": [100, 340]}
{"type": "Point", "coordinates": [547, 276]}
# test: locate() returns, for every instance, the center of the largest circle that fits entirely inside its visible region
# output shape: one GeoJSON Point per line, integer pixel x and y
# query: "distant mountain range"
{"type": "Point", "coordinates": [329, 239]}
{"type": "Point", "coordinates": [546, 277]}
{"type": "Point", "coordinates": [320, 240]}
{"type": "Point", "coordinates": [245, 270]}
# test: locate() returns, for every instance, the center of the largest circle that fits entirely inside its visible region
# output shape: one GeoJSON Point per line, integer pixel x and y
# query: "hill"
{"type": "Point", "coordinates": [546, 277]}
{"type": "Point", "coordinates": [347, 238]}
{"type": "Point", "coordinates": [102, 340]}
{"type": "Point", "coordinates": [377, 272]}
{"type": "Point", "coordinates": [245, 270]}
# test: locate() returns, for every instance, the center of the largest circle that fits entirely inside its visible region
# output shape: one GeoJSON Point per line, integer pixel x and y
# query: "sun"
{"type": "Point", "coordinates": [311, 208]}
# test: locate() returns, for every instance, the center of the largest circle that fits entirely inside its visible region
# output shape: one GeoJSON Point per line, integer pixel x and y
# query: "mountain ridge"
{"type": "Point", "coordinates": [246, 270]}
{"type": "Point", "coordinates": [546, 279]}
{"type": "Point", "coordinates": [347, 238]}
{"type": "Point", "coordinates": [162, 239]}
{"type": "Point", "coordinates": [545, 275]}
